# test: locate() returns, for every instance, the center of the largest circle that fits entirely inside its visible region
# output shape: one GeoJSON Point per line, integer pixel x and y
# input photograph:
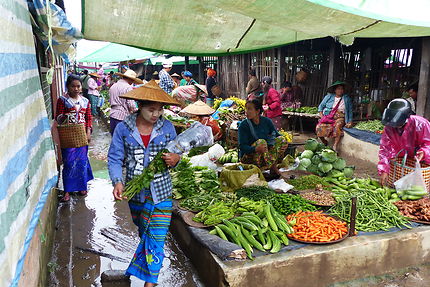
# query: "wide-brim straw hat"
{"type": "Point", "coordinates": [333, 86]}
{"type": "Point", "coordinates": [175, 75]}
{"type": "Point", "coordinates": [202, 88]}
{"type": "Point", "coordinates": [199, 109]}
{"type": "Point", "coordinates": [95, 75]}
{"type": "Point", "coordinates": [151, 91]}
{"type": "Point", "coordinates": [130, 74]}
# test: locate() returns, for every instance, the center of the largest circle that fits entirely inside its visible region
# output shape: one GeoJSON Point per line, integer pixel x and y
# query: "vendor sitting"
{"type": "Point", "coordinates": [403, 132]}
{"type": "Point", "coordinates": [259, 141]}
{"type": "Point", "coordinates": [202, 113]}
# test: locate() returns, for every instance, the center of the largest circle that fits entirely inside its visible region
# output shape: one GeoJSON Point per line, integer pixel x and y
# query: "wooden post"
{"type": "Point", "coordinates": [201, 71]}
{"type": "Point", "coordinates": [331, 63]}
{"type": "Point", "coordinates": [187, 63]}
{"type": "Point", "coordinates": [281, 67]}
{"type": "Point", "coordinates": [424, 79]}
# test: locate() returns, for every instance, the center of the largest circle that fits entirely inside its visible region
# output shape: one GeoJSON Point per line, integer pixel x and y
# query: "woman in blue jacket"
{"type": "Point", "coordinates": [135, 143]}
{"type": "Point", "coordinates": [338, 107]}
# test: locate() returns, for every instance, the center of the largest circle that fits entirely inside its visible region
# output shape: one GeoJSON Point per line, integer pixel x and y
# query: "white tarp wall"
{"type": "Point", "coordinates": [27, 159]}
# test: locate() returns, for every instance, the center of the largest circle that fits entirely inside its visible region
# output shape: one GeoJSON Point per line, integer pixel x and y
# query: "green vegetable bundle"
{"type": "Point", "coordinates": [143, 181]}
{"type": "Point", "coordinates": [231, 156]}
{"type": "Point", "coordinates": [265, 231]}
{"type": "Point", "coordinates": [215, 213]}
{"type": "Point", "coordinates": [198, 150]}
{"type": "Point", "coordinates": [374, 211]}
{"type": "Point", "coordinates": [372, 126]}
{"type": "Point", "coordinates": [255, 192]}
{"type": "Point", "coordinates": [308, 182]}
{"type": "Point", "coordinates": [201, 201]}
{"type": "Point", "coordinates": [287, 204]}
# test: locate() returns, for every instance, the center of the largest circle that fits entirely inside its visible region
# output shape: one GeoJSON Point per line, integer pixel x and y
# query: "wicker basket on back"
{"type": "Point", "coordinates": [72, 135]}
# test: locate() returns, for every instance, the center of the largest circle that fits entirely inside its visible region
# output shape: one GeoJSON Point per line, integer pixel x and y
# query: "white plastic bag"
{"type": "Point", "coordinates": [414, 178]}
{"type": "Point", "coordinates": [195, 136]}
{"type": "Point", "coordinates": [280, 184]}
{"type": "Point", "coordinates": [208, 158]}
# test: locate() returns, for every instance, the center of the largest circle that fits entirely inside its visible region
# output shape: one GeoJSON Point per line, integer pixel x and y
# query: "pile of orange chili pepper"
{"type": "Point", "coordinates": [315, 226]}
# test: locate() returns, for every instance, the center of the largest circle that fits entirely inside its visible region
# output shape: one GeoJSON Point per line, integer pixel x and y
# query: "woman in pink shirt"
{"type": "Point", "coordinates": [272, 103]}
{"type": "Point", "coordinates": [93, 92]}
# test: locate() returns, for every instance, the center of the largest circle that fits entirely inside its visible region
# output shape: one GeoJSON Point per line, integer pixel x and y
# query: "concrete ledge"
{"type": "Point", "coordinates": [312, 265]}
{"type": "Point", "coordinates": [356, 148]}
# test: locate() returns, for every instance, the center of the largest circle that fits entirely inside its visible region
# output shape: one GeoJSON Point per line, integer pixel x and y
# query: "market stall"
{"type": "Point", "coordinates": [295, 115]}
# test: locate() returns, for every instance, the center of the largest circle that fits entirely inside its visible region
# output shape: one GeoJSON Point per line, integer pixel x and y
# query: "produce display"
{"type": "Point", "coordinates": [374, 211]}
{"type": "Point", "coordinates": [265, 231]}
{"type": "Point", "coordinates": [239, 103]}
{"type": "Point", "coordinates": [288, 203]}
{"type": "Point", "coordinates": [316, 227]}
{"type": "Point", "coordinates": [323, 197]}
{"type": "Point", "coordinates": [308, 182]}
{"type": "Point", "coordinates": [320, 160]}
{"type": "Point", "coordinates": [215, 213]}
{"type": "Point", "coordinates": [413, 193]}
{"type": "Point", "coordinates": [415, 209]}
{"type": "Point", "coordinates": [143, 181]}
{"type": "Point", "coordinates": [305, 110]}
{"type": "Point", "coordinates": [231, 156]}
{"type": "Point", "coordinates": [201, 201]}
{"type": "Point", "coordinates": [372, 126]}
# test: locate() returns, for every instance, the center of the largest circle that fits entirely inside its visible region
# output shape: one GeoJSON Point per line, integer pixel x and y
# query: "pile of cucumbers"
{"type": "Point", "coordinates": [415, 192]}
{"type": "Point", "coordinates": [265, 231]}
{"type": "Point", "coordinates": [230, 156]}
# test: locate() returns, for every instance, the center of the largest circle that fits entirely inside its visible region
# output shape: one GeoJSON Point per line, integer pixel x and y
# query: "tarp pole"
{"type": "Point", "coordinates": [187, 62]}
{"type": "Point", "coordinates": [424, 79]}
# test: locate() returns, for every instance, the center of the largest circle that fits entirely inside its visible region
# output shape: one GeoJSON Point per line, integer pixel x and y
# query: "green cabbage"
{"type": "Point", "coordinates": [316, 159]}
{"type": "Point", "coordinates": [321, 147]}
{"type": "Point", "coordinates": [328, 155]}
{"type": "Point", "coordinates": [305, 162]}
{"type": "Point", "coordinates": [314, 169]}
{"type": "Point", "coordinates": [339, 164]}
{"type": "Point", "coordinates": [311, 144]}
{"type": "Point", "coordinates": [325, 167]}
{"type": "Point", "coordinates": [349, 171]}
{"type": "Point", "coordinates": [307, 154]}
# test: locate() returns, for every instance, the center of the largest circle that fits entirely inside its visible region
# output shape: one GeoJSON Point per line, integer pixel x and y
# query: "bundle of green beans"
{"type": "Point", "coordinates": [143, 181]}
{"type": "Point", "coordinates": [374, 211]}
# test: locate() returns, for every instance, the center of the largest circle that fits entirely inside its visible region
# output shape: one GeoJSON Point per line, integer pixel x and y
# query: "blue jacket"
{"type": "Point", "coordinates": [327, 104]}
{"type": "Point", "coordinates": [127, 149]}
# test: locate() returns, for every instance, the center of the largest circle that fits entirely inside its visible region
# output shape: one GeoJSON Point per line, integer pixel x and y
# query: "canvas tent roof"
{"type": "Point", "coordinates": [116, 53]}
{"type": "Point", "coordinates": [177, 60]}
{"type": "Point", "coordinates": [217, 27]}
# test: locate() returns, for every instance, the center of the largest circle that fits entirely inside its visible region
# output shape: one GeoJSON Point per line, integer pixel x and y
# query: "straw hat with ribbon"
{"type": "Point", "coordinates": [130, 74]}
{"type": "Point", "coordinates": [152, 92]}
{"type": "Point", "coordinates": [199, 109]}
{"type": "Point", "coordinates": [332, 87]}
{"type": "Point", "coordinates": [95, 75]}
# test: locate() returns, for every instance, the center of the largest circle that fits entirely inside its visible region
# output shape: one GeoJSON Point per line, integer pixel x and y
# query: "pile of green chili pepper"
{"type": "Point", "coordinates": [286, 204]}
{"type": "Point", "coordinates": [143, 181]}
{"type": "Point", "coordinates": [374, 211]}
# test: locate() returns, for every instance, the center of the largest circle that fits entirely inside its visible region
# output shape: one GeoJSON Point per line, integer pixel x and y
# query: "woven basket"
{"type": "Point", "coordinates": [402, 166]}
{"type": "Point", "coordinates": [72, 135]}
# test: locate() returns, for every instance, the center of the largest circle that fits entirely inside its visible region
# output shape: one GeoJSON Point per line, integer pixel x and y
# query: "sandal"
{"type": "Point", "coordinates": [83, 192]}
{"type": "Point", "coordinates": [66, 197]}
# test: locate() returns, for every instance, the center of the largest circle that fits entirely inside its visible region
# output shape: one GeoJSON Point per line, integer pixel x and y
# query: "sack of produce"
{"type": "Point", "coordinates": [412, 186]}
{"type": "Point", "coordinates": [234, 177]}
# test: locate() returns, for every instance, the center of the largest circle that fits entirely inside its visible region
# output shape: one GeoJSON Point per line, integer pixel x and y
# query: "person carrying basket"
{"type": "Point", "coordinates": [404, 133]}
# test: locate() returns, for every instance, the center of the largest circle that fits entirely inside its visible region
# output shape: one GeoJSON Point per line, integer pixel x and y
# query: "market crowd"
{"type": "Point", "coordinates": [140, 131]}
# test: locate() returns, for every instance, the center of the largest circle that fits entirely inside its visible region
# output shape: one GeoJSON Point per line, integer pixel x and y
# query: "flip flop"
{"type": "Point", "coordinates": [65, 198]}
{"type": "Point", "coordinates": [83, 192]}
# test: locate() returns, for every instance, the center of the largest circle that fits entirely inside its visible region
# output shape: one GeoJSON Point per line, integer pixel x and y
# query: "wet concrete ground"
{"type": "Point", "coordinates": [95, 234]}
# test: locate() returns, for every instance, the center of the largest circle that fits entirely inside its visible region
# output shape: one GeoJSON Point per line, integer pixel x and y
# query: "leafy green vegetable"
{"type": "Point", "coordinates": [307, 154]}
{"type": "Point", "coordinates": [307, 182]}
{"type": "Point", "coordinates": [316, 159]}
{"type": "Point", "coordinates": [305, 162]}
{"type": "Point", "coordinates": [372, 126]}
{"type": "Point", "coordinates": [328, 155]}
{"type": "Point", "coordinates": [339, 164]}
{"type": "Point", "coordinates": [325, 167]}
{"type": "Point", "coordinates": [255, 192]}
{"type": "Point", "coordinates": [311, 144]}
{"type": "Point", "coordinates": [349, 171]}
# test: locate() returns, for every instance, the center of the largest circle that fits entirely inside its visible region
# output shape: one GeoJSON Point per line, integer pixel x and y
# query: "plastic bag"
{"type": "Point", "coordinates": [280, 184]}
{"type": "Point", "coordinates": [414, 178]}
{"type": "Point", "coordinates": [207, 159]}
{"type": "Point", "coordinates": [195, 136]}
{"type": "Point", "coordinates": [254, 180]}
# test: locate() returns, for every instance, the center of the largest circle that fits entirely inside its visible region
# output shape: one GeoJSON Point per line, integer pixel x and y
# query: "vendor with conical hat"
{"type": "Point", "coordinates": [335, 110]}
{"type": "Point", "coordinates": [202, 112]}
{"type": "Point", "coordinates": [135, 143]}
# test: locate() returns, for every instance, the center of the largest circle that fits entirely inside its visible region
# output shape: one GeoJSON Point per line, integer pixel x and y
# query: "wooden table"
{"type": "Point", "coordinates": [299, 116]}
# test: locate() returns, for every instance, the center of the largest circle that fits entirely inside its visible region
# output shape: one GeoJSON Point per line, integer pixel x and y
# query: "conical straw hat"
{"type": "Point", "coordinates": [151, 91]}
{"type": "Point", "coordinates": [130, 74]}
{"type": "Point", "coordinates": [198, 108]}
